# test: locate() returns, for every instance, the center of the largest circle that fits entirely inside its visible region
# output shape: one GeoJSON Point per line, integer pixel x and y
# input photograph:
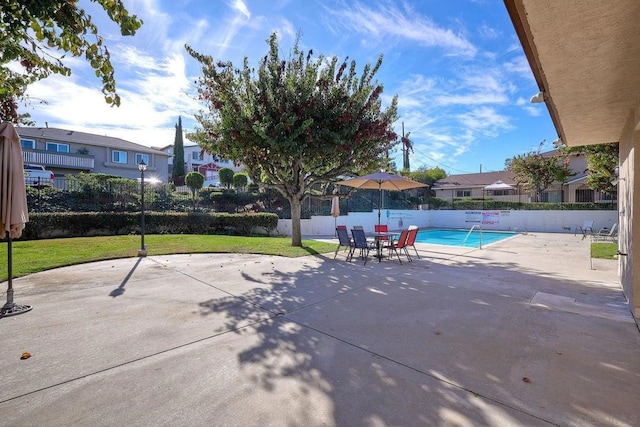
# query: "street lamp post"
{"type": "Point", "coordinates": [142, 166]}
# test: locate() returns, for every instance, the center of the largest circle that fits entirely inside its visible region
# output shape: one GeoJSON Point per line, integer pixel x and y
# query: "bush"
{"type": "Point", "coordinates": [50, 225]}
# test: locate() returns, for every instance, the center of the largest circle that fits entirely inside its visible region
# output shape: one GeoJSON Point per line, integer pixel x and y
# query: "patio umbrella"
{"type": "Point", "coordinates": [13, 204]}
{"type": "Point", "coordinates": [498, 185]}
{"type": "Point", "coordinates": [382, 181]}
{"type": "Point", "coordinates": [335, 209]}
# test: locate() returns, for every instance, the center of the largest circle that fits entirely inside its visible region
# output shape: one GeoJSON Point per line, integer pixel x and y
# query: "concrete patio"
{"type": "Point", "coordinates": [523, 332]}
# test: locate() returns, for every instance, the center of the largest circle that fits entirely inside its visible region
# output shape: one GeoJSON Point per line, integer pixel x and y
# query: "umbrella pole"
{"type": "Point", "coordinates": [10, 308]}
{"type": "Point", "coordinates": [380, 204]}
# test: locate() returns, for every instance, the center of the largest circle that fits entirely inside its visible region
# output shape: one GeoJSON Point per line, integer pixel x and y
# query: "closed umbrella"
{"type": "Point", "coordinates": [13, 204]}
{"type": "Point", "coordinates": [335, 206]}
{"type": "Point", "coordinates": [335, 209]}
{"type": "Point", "coordinates": [382, 181]}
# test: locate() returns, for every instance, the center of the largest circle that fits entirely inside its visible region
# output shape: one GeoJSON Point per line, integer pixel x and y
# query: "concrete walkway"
{"type": "Point", "coordinates": [522, 332]}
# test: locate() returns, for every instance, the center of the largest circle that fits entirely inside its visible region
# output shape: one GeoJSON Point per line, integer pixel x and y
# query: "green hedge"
{"type": "Point", "coordinates": [476, 204]}
{"type": "Point", "coordinates": [49, 225]}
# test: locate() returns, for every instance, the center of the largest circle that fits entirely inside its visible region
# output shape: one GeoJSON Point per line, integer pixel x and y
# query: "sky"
{"type": "Point", "coordinates": [462, 80]}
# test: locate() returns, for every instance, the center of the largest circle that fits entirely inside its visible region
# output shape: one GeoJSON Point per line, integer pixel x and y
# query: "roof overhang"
{"type": "Point", "coordinates": [585, 56]}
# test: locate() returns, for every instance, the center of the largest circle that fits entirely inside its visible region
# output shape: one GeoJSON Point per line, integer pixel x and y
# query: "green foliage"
{"type": "Point", "coordinates": [477, 204]}
{"type": "Point", "coordinates": [428, 175]}
{"type": "Point", "coordinates": [194, 180]}
{"type": "Point", "coordinates": [178, 153]}
{"type": "Point", "coordinates": [50, 225]}
{"type": "Point", "coordinates": [240, 180]}
{"type": "Point", "coordinates": [35, 36]}
{"type": "Point", "coordinates": [87, 192]}
{"type": "Point", "coordinates": [537, 171]}
{"type": "Point", "coordinates": [296, 121]}
{"type": "Point", "coordinates": [226, 176]}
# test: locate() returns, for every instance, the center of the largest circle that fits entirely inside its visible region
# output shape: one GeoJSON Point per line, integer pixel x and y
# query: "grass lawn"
{"type": "Point", "coordinates": [33, 256]}
{"type": "Point", "coordinates": [604, 250]}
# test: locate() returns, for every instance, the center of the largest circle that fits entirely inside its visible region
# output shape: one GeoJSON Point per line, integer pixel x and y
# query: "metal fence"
{"type": "Point", "coordinates": [123, 195]}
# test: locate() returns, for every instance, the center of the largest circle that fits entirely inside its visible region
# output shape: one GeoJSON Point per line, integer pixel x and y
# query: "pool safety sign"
{"type": "Point", "coordinates": [483, 217]}
{"type": "Point", "coordinates": [490, 217]}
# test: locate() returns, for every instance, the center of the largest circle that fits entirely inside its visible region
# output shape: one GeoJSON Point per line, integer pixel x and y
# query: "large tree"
{"type": "Point", "coordinates": [36, 35]}
{"type": "Point", "coordinates": [178, 153]}
{"type": "Point", "coordinates": [295, 121]}
{"type": "Point", "coordinates": [537, 170]}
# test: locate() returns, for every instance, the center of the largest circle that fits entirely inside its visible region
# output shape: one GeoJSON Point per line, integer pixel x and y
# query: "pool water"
{"type": "Point", "coordinates": [462, 237]}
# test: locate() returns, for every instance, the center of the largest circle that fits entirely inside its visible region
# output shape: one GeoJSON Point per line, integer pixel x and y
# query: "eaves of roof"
{"type": "Point", "coordinates": [471, 180]}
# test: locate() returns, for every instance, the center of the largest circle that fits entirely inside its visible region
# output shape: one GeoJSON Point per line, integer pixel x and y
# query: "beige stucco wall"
{"type": "Point", "coordinates": [628, 205]}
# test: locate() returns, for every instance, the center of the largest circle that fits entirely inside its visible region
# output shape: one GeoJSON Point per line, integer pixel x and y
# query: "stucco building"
{"type": "Point", "coordinates": [585, 56]}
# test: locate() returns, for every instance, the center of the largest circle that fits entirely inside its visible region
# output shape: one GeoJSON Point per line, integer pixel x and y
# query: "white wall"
{"type": "Point", "coordinates": [539, 221]}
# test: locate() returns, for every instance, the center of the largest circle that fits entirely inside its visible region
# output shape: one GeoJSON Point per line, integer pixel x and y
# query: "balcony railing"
{"type": "Point", "coordinates": [61, 160]}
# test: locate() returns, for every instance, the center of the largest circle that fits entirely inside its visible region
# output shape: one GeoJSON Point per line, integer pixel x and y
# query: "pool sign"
{"type": "Point", "coordinates": [482, 217]}
{"type": "Point", "coordinates": [473, 217]}
{"type": "Point", "coordinates": [490, 217]}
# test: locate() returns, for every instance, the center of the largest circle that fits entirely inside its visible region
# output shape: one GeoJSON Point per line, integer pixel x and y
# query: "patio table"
{"type": "Point", "coordinates": [378, 237]}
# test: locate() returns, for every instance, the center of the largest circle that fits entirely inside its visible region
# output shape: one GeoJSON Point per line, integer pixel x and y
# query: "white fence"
{"type": "Point", "coordinates": [517, 220]}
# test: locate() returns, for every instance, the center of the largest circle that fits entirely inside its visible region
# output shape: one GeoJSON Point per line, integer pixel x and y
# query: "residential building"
{"type": "Point", "coordinates": [482, 185]}
{"type": "Point", "coordinates": [68, 152]}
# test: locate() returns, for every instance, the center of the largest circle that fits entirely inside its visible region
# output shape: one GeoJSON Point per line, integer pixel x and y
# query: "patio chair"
{"type": "Point", "coordinates": [586, 227]}
{"type": "Point", "coordinates": [382, 228]}
{"type": "Point", "coordinates": [605, 234]}
{"type": "Point", "coordinates": [360, 242]}
{"type": "Point", "coordinates": [411, 238]}
{"type": "Point", "coordinates": [343, 239]}
{"type": "Point", "coordinates": [401, 244]}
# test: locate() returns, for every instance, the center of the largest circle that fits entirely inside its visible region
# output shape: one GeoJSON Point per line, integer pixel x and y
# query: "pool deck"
{"type": "Point", "coordinates": [527, 331]}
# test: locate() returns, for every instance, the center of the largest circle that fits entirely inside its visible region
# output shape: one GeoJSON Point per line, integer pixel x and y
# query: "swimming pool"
{"type": "Point", "coordinates": [453, 237]}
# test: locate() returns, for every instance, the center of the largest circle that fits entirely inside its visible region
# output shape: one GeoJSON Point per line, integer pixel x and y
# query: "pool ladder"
{"type": "Point", "coordinates": [475, 227]}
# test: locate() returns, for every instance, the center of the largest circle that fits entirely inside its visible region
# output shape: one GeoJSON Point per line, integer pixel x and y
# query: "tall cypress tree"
{"type": "Point", "coordinates": [178, 153]}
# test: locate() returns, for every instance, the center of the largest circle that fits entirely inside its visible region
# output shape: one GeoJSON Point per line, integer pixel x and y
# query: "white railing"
{"type": "Point", "coordinates": [66, 160]}
{"type": "Point", "coordinates": [475, 227]}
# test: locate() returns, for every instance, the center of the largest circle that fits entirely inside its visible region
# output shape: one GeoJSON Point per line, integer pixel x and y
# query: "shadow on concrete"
{"type": "Point", "coordinates": [120, 289]}
{"type": "Point", "coordinates": [428, 343]}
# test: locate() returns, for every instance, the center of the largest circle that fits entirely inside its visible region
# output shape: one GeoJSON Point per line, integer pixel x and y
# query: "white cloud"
{"type": "Point", "coordinates": [488, 32]}
{"type": "Point", "coordinates": [241, 7]}
{"type": "Point", "coordinates": [406, 24]}
{"type": "Point", "coordinates": [484, 120]}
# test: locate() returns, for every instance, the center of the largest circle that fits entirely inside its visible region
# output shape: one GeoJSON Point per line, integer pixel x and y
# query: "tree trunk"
{"type": "Point", "coordinates": [296, 211]}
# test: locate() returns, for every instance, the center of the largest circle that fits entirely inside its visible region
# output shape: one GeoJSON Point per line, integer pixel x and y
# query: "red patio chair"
{"type": "Point", "coordinates": [401, 244]}
{"type": "Point", "coordinates": [411, 238]}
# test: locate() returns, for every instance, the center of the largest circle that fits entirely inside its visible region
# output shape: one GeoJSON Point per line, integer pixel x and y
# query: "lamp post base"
{"type": "Point", "coordinates": [11, 309]}
{"type": "Point", "coordinates": [142, 252]}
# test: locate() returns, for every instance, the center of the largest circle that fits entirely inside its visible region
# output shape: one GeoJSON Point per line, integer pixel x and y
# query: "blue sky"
{"type": "Point", "coordinates": [462, 80]}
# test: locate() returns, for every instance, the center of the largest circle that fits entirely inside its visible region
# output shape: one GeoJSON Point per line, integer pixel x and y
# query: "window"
{"type": "Point", "coordinates": [119, 156]}
{"type": "Point", "coordinates": [463, 193]}
{"type": "Point", "coordinates": [501, 192]}
{"type": "Point", "coordinates": [584, 195]}
{"type": "Point", "coordinates": [608, 196]}
{"type": "Point", "coordinates": [197, 155]}
{"type": "Point", "coordinates": [142, 158]}
{"type": "Point", "coordinates": [56, 146]}
{"type": "Point", "coordinates": [29, 144]}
